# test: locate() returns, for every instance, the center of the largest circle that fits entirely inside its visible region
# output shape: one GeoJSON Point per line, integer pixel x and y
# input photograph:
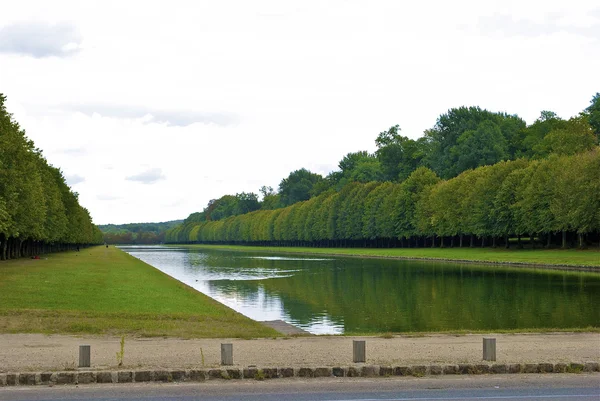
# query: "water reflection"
{"type": "Point", "coordinates": [336, 295]}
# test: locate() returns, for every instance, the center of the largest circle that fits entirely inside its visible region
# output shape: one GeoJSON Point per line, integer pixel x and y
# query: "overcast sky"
{"type": "Point", "coordinates": [152, 108]}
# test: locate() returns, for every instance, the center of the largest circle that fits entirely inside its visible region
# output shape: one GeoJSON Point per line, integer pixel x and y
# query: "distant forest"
{"type": "Point", "coordinates": [475, 177]}
{"type": "Point", "coordinates": [137, 233]}
{"type": "Point", "coordinates": [38, 210]}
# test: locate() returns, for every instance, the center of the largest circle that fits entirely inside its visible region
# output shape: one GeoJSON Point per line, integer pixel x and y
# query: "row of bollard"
{"type": "Point", "coordinates": [359, 352]}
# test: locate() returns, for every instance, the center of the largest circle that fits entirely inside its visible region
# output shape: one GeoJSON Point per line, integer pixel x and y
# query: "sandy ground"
{"type": "Point", "coordinates": [36, 352]}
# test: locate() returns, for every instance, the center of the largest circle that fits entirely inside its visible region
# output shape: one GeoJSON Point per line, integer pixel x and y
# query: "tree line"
{"type": "Point", "coordinates": [38, 210]}
{"type": "Point", "coordinates": [475, 176]}
{"type": "Point", "coordinates": [555, 200]}
{"type": "Point", "coordinates": [137, 233]}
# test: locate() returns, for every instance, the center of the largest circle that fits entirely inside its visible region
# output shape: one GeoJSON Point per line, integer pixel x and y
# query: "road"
{"type": "Point", "coordinates": [552, 387]}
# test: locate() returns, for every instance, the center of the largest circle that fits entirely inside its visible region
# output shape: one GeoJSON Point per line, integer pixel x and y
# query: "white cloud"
{"type": "Point", "coordinates": [74, 179]}
{"type": "Point", "coordinates": [104, 197]}
{"type": "Point", "coordinates": [176, 118]}
{"type": "Point", "coordinates": [147, 177]}
{"type": "Point", "coordinates": [40, 39]}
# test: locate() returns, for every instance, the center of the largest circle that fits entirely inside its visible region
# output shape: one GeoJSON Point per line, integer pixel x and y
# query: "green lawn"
{"type": "Point", "coordinates": [565, 257]}
{"type": "Point", "coordinates": [107, 291]}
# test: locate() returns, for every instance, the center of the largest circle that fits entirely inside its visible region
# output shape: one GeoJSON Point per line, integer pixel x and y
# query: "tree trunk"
{"type": "Point", "coordinates": [564, 239]}
{"type": "Point", "coordinates": [580, 235]}
{"type": "Point", "coordinates": [472, 241]}
{"type": "Point", "coordinates": [3, 243]}
{"type": "Point", "coordinates": [507, 245]}
{"type": "Point", "coordinates": [460, 242]}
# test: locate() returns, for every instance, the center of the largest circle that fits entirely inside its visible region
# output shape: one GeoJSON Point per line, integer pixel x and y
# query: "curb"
{"type": "Point", "coordinates": [253, 373]}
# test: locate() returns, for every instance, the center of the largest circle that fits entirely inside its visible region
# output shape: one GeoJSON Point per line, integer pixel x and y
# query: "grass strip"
{"type": "Point", "coordinates": [540, 257]}
{"type": "Point", "coordinates": [106, 291]}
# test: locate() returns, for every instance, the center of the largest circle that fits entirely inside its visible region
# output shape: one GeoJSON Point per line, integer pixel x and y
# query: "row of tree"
{"type": "Point", "coordinates": [556, 199]}
{"type": "Point", "coordinates": [137, 233]}
{"type": "Point", "coordinates": [38, 211]}
{"type": "Point", "coordinates": [462, 139]}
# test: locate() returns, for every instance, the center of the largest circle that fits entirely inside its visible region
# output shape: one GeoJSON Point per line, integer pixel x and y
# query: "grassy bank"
{"type": "Point", "coordinates": [549, 257]}
{"type": "Point", "coordinates": [106, 291]}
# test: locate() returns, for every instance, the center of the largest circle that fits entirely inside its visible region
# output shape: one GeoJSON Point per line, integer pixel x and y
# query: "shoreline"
{"type": "Point", "coordinates": [289, 250]}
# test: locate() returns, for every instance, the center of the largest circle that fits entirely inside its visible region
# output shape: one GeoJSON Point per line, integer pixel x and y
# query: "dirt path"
{"type": "Point", "coordinates": [36, 352]}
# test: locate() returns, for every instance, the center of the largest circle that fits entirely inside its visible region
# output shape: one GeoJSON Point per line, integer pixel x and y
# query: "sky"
{"type": "Point", "coordinates": [152, 108]}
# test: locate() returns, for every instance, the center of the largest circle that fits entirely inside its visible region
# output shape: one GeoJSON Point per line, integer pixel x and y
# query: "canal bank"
{"type": "Point", "coordinates": [560, 259]}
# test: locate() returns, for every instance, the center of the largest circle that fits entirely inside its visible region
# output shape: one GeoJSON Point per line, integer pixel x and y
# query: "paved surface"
{"type": "Point", "coordinates": [515, 387]}
{"type": "Point", "coordinates": [286, 328]}
{"type": "Point", "coordinates": [36, 352]}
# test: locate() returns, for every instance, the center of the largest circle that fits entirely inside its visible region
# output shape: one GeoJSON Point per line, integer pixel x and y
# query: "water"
{"type": "Point", "coordinates": [326, 295]}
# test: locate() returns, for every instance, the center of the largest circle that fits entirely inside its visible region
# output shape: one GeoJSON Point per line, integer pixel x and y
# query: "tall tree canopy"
{"type": "Point", "coordinates": [298, 186]}
{"type": "Point", "coordinates": [465, 127]}
{"type": "Point", "coordinates": [399, 155]}
{"type": "Point", "coordinates": [38, 210]}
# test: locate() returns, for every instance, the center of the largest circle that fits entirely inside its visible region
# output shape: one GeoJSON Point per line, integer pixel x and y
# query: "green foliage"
{"type": "Point", "coordinates": [483, 146]}
{"type": "Point", "coordinates": [270, 199]}
{"type": "Point", "coordinates": [469, 137]}
{"type": "Point", "coordinates": [398, 155]}
{"type": "Point", "coordinates": [143, 233]}
{"type": "Point", "coordinates": [501, 178]}
{"type": "Point", "coordinates": [298, 186]}
{"type": "Point", "coordinates": [538, 198]}
{"type": "Point", "coordinates": [359, 167]}
{"type": "Point", "coordinates": [536, 132]}
{"type": "Point", "coordinates": [593, 112]}
{"type": "Point", "coordinates": [570, 137]}
{"type": "Point", "coordinates": [38, 210]}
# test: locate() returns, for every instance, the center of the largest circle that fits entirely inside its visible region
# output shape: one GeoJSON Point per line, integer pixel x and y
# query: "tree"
{"type": "Point", "coordinates": [443, 138]}
{"type": "Point", "coordinates": [372, 205]}
{"type": "Point", "coordinates": [411, 193]}
{"type": "Point", "coordinates": [246, 202]}
{"type": "Point", "coordinates": [297, 186]}
{"type": "Point", "coordinates": [270, 199]}
{"type": "Point", "coordinates": [397, 154]}
{"type": "Point", "coordinates": [483, 146]}
{"type": "Point", "coordinates": [536, 132]}
{"type": "Point", "coordinates": [570, 137]}
{"type": "Point", "coordinates": [593, 112]}
{"type": "Point", "coordinates": [359, 167]}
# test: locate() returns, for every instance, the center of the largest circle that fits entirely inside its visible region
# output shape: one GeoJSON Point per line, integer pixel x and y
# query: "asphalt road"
{"type": "Point", "coordinates": [552, 387]}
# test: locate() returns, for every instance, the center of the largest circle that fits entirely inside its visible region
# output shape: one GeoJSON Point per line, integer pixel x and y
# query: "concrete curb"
{"type": "Point", "coordinates": [254, 373]}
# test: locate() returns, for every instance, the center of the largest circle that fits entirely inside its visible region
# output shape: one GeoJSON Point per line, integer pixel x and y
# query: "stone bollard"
{"type": "Point", "coordinates": [489, 349]}
{"type": "Point", "coordinates": [359, 351]}
{"type": "Point", "coordinates": [84, 356]}
{"type": "Point", "coordinates": [226, 354]}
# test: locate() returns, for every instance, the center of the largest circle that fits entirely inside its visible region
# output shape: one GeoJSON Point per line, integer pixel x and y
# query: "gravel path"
{"type": "Point", "coordinates": [37, 352]}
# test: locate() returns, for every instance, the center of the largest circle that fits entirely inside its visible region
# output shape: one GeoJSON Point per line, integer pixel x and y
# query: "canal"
{"type": "Point", "coordinates": [336, 295]}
